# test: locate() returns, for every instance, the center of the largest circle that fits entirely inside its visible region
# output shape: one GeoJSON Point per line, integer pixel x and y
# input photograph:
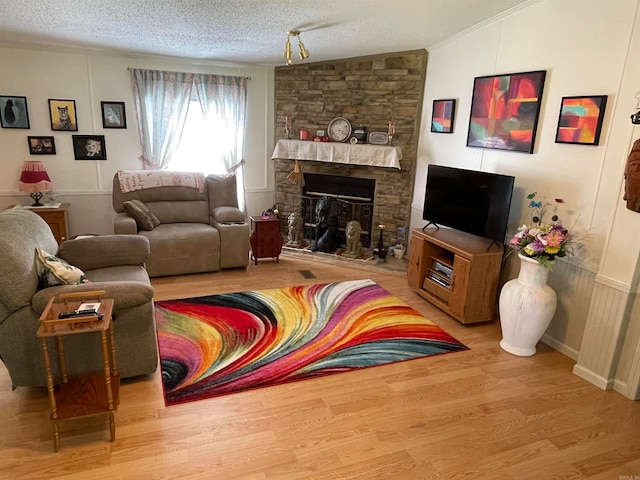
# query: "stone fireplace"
{"type": "Point", "coordinates": [368, 185]}
{"type": "Point", "coordinates": [368, 91]}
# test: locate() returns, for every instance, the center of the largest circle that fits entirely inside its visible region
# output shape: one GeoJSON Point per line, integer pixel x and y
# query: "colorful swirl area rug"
{"type": "Point", "coordinates": [222, 344]}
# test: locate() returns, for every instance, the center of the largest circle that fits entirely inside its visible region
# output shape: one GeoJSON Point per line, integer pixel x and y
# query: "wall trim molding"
{"type": "Point", "coordinates": [485, 23]}
{"type": "Point", "coordinates": [621, 387]}
{"type": "Point", "coordinates": [572, 353]}
{"type": "Point", "coordinates": [65, 193]}
{"type": "Point", "coordinates": [613, 283]}
{"type": "Point", "coordinates": [593, 377]}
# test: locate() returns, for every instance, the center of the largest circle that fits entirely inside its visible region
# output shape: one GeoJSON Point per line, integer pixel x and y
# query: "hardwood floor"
{"type": "Point", "coordinates": [479, 414]}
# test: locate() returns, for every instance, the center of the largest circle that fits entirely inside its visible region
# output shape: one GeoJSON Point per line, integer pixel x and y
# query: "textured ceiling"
{"type": "Point", "coordinates": [246, 31]}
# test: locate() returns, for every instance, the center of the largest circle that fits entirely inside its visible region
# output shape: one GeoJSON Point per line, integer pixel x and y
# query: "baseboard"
{"type": "Point", "coordinates": [572, 353]}
{"type": "Point", "coordinates": [593, 378]}
{"type": "Point", "coordinates": [621, 387]}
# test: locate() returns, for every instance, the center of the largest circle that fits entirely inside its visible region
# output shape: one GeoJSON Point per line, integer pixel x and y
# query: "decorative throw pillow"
{"type": "Point", "coordinates": [54, 271]}
{"type": "Point", "coordinates": [144, 217]}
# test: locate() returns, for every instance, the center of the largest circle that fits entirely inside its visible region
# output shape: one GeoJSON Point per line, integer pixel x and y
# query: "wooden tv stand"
{"type": "Point", "coordinates": [455, 271]}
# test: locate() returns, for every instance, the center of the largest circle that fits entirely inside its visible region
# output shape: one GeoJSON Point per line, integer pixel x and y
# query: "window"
{"type": "Point", "coordinates": [171, 120]}
{"type": "Point", "coordinates": [202, 143]}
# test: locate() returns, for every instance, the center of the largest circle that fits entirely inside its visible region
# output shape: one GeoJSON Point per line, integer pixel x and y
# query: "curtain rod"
{"type": "Point", "coordinates": [192, 73]}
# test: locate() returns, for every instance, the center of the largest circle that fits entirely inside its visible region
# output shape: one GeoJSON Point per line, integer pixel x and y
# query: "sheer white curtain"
{"type": "Point", "coordinates": [161, 100]}
{"type": "Point", "coordinates": [224, 99]}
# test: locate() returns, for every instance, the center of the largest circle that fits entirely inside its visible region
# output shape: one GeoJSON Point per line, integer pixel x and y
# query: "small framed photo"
{"type": "Point", "coordinates": [63, 115]}
{"type": "Point", "coordinates": [89, 147]}
{"type": "Point", "coordinates": [580, 120]}
{"type": "Point", "coordinates": [13, 112]}
{"type": "Point", "coordinates": [41, 145]}
{"type": "Point", "coordinates": [442, 116]}
{"type": "Point", "coordinates": [113, 115]}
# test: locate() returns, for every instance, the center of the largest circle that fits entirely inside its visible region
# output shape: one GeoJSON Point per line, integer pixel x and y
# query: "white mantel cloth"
{"type": "Point", "coordinates": [333, 152]}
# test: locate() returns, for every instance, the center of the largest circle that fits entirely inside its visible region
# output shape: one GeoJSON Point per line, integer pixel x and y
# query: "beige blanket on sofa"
{"type": "Point", "coordinates": [131, 180]}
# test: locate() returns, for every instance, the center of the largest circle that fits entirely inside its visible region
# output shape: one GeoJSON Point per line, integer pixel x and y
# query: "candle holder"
{"type": "Point", "coordinates": [380, 251]}
{"type": "Point", "coordinates": [392, 130]}
{"type": "Point", "coordinates": [287, 126]}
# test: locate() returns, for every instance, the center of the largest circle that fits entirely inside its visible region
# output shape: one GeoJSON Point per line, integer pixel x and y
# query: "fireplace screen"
{"type": "Point", "coordinates": [354, 200]}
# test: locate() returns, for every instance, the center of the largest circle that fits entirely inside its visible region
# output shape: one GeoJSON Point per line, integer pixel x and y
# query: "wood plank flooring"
{"type": "Point", "coordinates": [479, 414]}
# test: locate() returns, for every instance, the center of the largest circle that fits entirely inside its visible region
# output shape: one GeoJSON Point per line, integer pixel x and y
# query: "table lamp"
{"type": "Point", "coordinates": [34, 179]}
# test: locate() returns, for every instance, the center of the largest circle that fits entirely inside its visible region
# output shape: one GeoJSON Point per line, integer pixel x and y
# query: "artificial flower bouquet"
{"type": "Point", "coordinates": [543, 241]}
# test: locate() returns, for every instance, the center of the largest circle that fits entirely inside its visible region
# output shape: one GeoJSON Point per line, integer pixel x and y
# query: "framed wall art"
{"type": "Point", "coordinates": [580, 119]}
{"type": "Point", "coordinates": [89, 147]}
{"type": "Point", "coordinates": [113, 115]}
{"type": "Point", "coordinates": [505, 111]}
{"type": "Point", "coordinates": [41, 145]}
{"type": "Point", "coordinates": [63, 115]}
{"type": "Point", "coordinates": [443, 115]}
{"type": "Point", "coordinates": [13, 112]}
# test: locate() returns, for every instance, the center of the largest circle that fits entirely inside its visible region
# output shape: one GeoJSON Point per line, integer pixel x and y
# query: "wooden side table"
{"type": "Point", "coordinates": [89, 395]}
{"type": "Point", "coordinates": [266, 239]}
{"type": "Point", "coordinates": [56, 217]}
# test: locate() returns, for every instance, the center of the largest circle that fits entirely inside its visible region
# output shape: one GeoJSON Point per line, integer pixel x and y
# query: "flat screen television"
{"type": "Point", "coordinates": [468, 200]}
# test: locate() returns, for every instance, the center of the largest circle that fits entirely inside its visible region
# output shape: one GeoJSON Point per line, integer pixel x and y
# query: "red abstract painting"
{"type": "Point", "coordinates": [505, 111]}
{"type": "Point", "coordinates": [442, 118]}
{"type": "Point", "coordinates": [581, 119]}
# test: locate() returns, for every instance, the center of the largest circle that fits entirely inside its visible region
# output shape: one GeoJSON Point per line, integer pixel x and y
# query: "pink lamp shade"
{"type": "Point", "coordinates": [34, 179]}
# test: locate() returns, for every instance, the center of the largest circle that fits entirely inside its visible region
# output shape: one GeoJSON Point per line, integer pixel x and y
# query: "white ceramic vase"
{"type": "Point", "coordinates": [527, 305]}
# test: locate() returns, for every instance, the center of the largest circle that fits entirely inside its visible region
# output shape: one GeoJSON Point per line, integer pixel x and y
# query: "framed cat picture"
{"type": "Point", "coordinates": [13, 112]}
{"type": "Point", "coordinates": [41, 145]}
{"type": "Point", "coordinates": [63, 115]}
{"type": "Point", "coordinates": [89, 147]}
{"type": "Point", "coordinates": [113, 115]}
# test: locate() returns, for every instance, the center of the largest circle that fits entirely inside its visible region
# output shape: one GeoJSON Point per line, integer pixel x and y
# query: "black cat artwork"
{"type": "Point", "coordinates": [9, 115]}
{"type": "Point", "coordinates": [13, 112]}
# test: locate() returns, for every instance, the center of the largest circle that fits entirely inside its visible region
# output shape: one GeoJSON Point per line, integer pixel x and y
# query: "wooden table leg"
{"type": "Point", "coordinates": [107, 379]}
{"type": "Point", "coordinates": [52, 396]}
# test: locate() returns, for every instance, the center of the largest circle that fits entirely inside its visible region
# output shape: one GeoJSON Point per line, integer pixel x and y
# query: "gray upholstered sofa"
{"type": "Point", "coordinates": [114, 263]}
{"type": "Point", "coordinates": [198, 231]}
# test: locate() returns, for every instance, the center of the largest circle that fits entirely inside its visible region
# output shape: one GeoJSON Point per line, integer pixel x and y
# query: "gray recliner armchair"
{"type": "Point", "coordinates": [114, 263]}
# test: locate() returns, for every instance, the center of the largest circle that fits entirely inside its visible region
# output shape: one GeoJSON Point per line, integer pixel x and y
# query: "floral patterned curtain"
{"type": "Point", "coordinates": [161, 100]}
{"type": "Point", "coordinates": [226, 98]}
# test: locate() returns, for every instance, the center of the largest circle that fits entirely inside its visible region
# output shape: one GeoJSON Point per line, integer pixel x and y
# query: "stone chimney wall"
{"type": "Point", "coordinates": [367, 91]}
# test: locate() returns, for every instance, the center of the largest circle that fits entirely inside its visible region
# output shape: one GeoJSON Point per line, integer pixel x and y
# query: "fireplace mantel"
{"type": "Point", "coordinates": [333, 152]}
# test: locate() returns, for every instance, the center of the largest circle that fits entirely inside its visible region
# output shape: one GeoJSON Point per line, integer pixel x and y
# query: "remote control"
{"type": "Point", "coordinates": [77, 313]}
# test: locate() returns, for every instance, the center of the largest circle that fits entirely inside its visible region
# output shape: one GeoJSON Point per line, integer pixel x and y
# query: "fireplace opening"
{"type": "Point", "coordinates": [353, 200]}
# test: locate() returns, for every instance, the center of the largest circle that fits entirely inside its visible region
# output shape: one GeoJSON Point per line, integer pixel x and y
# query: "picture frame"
{"type": "Point", "coordinates": [505, 110]}
{"type": "Point", "coordinates": [113, 115]}
{"type": "Point", "coordinates": [41, 145]}
{"type": "Point", "coordinates": [14, 112]}
{"type": "Point", "coordinates": [442, 115]}
{"type": "Point", "coordinates": [580, 119]}
{"type": "Point", "coordinates": [89, 147]}
{"type": "Point", "coordinates": [62, 114]}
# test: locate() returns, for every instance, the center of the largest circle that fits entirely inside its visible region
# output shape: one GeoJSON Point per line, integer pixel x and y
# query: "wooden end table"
{"type": "Point", "coordinates": [266, 239]}
{"type": "Point", "coordinates": [88, 395]}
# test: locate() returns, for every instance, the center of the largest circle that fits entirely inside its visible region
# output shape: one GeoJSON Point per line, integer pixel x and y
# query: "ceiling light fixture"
{"type": "Point", "coordinates": [304, 53]}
